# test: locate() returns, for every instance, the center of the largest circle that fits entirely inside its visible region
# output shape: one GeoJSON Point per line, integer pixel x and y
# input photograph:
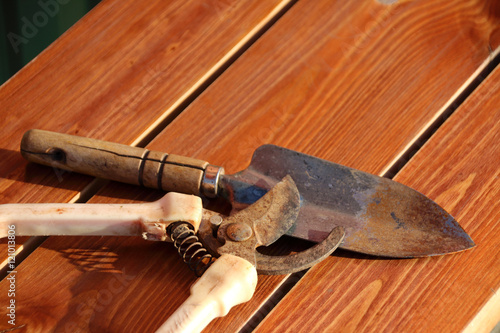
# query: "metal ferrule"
{"type": "Point", "coordinates": [210, 181]}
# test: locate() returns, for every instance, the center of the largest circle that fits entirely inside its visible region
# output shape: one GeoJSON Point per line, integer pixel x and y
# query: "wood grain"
{"type": "Point", "coordinates": [458, 168]}
{"type": "Point", "coordinates": [352, 83]}
{"type": "Point", "coordinates": [113, 75]}
{"type": "Point", "coordinates": [328, 86]}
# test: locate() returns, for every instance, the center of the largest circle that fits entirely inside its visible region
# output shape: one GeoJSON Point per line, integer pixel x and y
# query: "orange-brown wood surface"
{"type": "Point", "coordinates": [354, 83]}
{"type": "Point", "coordinates": [114, 74]}
{"type": "Point", "coordinates": [117, 72]}
{"type": "Point", "coordinates": [458, 168]}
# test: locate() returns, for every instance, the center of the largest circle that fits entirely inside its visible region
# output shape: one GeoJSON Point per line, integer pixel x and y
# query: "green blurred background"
{"type": "Point", "coordinates": [27, 27]}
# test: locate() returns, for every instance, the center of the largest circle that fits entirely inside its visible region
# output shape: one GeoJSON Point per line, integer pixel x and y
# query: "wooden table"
{"type": "Point", "coordinates": [408, 90]}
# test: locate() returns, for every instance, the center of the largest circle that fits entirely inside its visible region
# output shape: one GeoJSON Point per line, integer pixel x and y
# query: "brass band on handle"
{"type": "Point", "coordinates": [118, 162]}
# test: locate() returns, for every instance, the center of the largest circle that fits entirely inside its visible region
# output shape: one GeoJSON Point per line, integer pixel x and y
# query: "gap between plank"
{"type": "Point", "coordinates": [394, 167]}
{"type": "Point", "coordinates": [212, 74]}
{"type": "Point", "coordinates": [442, 115]}
{"type": "Point", "coordinates": [24, 250]}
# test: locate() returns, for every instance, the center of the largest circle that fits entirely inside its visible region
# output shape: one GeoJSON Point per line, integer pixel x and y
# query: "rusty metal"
{"type": "Point", "coordinates": [278, 265]}
{"type": "Point", "coordinates": [239, 232]}
{"type": "Point", "coordinates": [261, 224]}
{"type": "Point", "coordinates": [189, 247]}
{"type": "Point", "coordinates": [380, 216]}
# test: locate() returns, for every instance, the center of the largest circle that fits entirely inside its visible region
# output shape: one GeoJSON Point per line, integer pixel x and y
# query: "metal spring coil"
{"type": "Point", "coordinates": [190, 248]}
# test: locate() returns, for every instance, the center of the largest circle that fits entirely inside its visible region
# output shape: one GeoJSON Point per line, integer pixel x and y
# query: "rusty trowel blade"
{"type": "Point", "coordinates": [380, 216]}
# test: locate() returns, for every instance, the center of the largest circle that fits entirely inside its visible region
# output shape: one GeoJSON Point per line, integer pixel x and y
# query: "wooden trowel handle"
{"type": "Point", "coordinates": [122, 163]}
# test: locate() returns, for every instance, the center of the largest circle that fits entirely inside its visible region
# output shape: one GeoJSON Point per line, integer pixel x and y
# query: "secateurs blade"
{"type": "Point", "coordinates": [165, 219]}
{"type": "Point", "coordinates": [229, 281]}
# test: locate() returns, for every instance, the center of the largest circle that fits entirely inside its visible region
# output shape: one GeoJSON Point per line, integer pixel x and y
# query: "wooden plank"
{"type": "Point", "coordinates": [117, 74]}
{"type": "Point", "coordinates": [117, 71]}
{"type": "Point", "coordinates": [458, 168]}
{"type": "Point", "coordinates": [333, 85]}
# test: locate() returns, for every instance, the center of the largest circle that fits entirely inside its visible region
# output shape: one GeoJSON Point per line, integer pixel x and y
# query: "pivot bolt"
{"type": "Point", "coordinates": [239, 232]}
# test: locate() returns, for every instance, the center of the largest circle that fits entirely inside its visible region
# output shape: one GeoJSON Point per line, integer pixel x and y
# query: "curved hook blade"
{"type": "Point", "coordinates": [278, 265]}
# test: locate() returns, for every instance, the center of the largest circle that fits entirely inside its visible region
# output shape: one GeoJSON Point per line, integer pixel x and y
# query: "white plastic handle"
{"type": "Point", "coordinates": [146, 219]}
{"type": "Point", "coordinates": [230, 281]}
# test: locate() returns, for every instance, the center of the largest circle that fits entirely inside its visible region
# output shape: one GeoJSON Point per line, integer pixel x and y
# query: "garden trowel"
{"type": "Point", "coordinates": [380, 216]}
